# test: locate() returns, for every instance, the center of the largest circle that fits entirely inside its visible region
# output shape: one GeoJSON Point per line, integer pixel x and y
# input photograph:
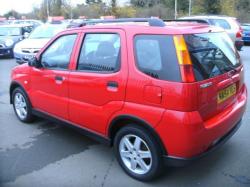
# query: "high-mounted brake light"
{"type": "Point", "coordinates": [184, 59]}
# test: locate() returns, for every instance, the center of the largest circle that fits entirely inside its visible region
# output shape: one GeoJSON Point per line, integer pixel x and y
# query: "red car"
{"type": "Point", "coordinates": [158, 94]}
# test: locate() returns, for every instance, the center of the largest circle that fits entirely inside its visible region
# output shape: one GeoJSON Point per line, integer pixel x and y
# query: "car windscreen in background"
{"type": "Point", "coordinates": [212, 54]}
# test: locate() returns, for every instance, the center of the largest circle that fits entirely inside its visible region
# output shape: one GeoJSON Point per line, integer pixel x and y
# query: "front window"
{"type": "Point", "coordinates": [57, 55]}
{"type": "Point", "coordinates": [10, 31]}
{"type": "Point", "coordinates": [212, 54]}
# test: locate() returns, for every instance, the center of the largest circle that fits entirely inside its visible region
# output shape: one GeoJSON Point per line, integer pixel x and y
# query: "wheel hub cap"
{"type": "Point", "coordinates": [135, 154]}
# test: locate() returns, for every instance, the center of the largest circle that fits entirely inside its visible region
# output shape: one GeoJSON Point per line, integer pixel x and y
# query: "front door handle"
{"type": "Point", "coordinates": [58, 78]}
{"type": "Point", "coordinates": [112, 84]}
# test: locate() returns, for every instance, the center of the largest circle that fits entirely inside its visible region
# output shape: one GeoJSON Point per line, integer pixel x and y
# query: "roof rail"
{"type": "Point", "coordinates": [156, 22]}
{"type": "Point", "coordinates": [187, 20]}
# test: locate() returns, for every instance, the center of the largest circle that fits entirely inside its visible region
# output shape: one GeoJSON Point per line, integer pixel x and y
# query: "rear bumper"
{"type": "Point", "coordinates": [186, 135]}
{"type": "Point", "coordinates": [178, 161]}
{"type": "Point", "coordinates": [239, 44]}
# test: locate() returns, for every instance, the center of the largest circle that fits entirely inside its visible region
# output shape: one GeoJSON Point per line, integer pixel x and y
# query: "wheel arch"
{"type": "Point", "coordinates": [13, 86]}
{"type": "Point", "coordinates": [118, 122]}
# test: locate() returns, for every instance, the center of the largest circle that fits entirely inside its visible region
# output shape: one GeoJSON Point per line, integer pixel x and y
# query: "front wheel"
{"type": "Point", "coordinates": [138, 153]}
{"type": "Point", "coordinates": [22, 106]}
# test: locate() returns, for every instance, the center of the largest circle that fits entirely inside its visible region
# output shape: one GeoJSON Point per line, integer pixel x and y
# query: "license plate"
{"type": "Point", "coordinates": [27, 57]}
{"type": "Point", "coordinates": [226, 93]}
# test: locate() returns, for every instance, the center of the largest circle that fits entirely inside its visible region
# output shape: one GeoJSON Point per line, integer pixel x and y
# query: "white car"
{"type": "Point", "coordinates": [229, 24]}
{"type": "Point", "coordinates": [29, 47]}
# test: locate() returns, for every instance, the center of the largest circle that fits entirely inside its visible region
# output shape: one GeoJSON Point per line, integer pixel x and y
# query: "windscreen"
{"type": "Point", "coordinates": [10, 31]}
{"type": "Point", "coordinates": [212, 54]}
{"type": "Point", "coordinates": [45, 31]}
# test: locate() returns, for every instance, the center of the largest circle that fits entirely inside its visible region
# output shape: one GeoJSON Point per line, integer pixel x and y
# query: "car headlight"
{"type": "Point", "coordinates": [9, 42]}
{"type": "Point", "coordinates": [17, 49]}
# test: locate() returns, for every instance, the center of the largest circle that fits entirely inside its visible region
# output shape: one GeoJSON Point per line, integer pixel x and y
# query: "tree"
{"type": "Point", "coordinates": [228, 7]}
{"type": "Point", "coordinates": [12, 13]}
{"type": "Point", "coordinates": [114, 7]}
{"type": "Point", "coordinates": [144, 3]}
{"type": "Point", "coordinates": [207, 6]}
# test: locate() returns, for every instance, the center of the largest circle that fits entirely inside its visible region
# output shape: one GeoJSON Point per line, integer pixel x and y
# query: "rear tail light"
{"type": "Point", "coordinates": [239, 33]}
{"type": "Point", "coordinates": [184, 59]}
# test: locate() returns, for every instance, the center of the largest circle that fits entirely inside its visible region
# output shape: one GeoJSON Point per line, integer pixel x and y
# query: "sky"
{"type": "Point", "coordinates": [25, 6]}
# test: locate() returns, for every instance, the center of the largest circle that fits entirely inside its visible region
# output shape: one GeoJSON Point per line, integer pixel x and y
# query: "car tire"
{"type": "Point", "coordinates": [143, 159]}
{"type": "Point", "coordinates": [22, 105]}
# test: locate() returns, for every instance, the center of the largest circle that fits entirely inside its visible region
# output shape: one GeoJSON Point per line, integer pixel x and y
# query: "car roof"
{"type": "Point", "coordinates": [205, 17]}
{"type": "Point", "coordinates": [173, 28]}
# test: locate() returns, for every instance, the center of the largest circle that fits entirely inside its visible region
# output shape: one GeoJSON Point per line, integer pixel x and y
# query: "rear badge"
{"type": "Point", "coordinates": [206, 85]}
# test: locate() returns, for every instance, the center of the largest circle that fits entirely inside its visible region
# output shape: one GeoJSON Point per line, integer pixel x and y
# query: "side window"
{"type": "Point", "coordinates": [221, 23]}
{"type": "Point", "coordinates": [57, 55]}
{"type": "Point", "coordinates": [156, 57]}
{"type": "Point", "coordinates": [100, 53]}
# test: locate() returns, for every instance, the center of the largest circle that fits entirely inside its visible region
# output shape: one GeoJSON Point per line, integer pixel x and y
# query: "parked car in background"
{"type": "Point", "coordinates": [10, 35]}
{"type": "Point", "coordinates": [28, 48]}
{"type": "Point", "coordinates": [34, 23]}
{"type": "Point", "coordinates": [246, 33]}
{"type": "Point", "coordinates": [229, 24]}
{"type": "Point", "coordinates": [159, 94]}
{"type": "Point", "coordinates": [3, 21]}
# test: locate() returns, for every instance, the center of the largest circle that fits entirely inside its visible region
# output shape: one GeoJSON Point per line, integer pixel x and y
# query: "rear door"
{"type": "Point", "coordinates": [98, 82]}
{"type": "Point", "coordinates": [217, 69]}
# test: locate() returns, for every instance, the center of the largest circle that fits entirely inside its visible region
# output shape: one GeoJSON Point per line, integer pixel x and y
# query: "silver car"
{"type": "Point", "coordinates": [29, 47]}
{"type": "Point", "coordinates": [229, 24]}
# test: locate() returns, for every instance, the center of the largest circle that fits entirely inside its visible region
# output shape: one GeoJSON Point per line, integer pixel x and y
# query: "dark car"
{"type": "Point", "coordinates": [246, 33]}
{"type": "Point", "coordinates": [10, 35]}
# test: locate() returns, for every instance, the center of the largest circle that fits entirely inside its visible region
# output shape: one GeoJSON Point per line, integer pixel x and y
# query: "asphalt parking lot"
{"type": "Point", "coordinates": [47, 154]}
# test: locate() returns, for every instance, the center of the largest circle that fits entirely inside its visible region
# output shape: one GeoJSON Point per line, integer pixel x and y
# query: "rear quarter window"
{"type": "Point", "coordinates": [156, 57]}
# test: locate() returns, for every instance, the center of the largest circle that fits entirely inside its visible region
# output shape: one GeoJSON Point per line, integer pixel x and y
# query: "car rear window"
{"type": "Point", "coordinates": [212, 54]}
{"type": "Point", "coordinates": [221, 23]}
{"type": "Point", "coordinates": [156, 57]}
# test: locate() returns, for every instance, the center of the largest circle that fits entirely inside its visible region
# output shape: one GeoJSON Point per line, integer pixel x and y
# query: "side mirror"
{"type": "Point", "coordinates": [34, 62]}
{"type": "Point", "coordinates": [26, 35]}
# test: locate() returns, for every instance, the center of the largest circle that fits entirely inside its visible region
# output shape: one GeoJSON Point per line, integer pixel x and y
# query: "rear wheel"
{"type": "Point", "coordinates": [138, 153]}
{"type": "Point", "coordinates": [22, 106]}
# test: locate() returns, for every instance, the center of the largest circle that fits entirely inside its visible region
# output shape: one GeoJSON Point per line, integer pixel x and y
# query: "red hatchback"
{"type": "Point", "coordinates": [156, 93]}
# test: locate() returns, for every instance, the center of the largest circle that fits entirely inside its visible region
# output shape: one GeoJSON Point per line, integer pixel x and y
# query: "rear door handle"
{"type": "Point", "coordinates": [112, 84]}
{"type": "Point", "coordinates": [59, 79]}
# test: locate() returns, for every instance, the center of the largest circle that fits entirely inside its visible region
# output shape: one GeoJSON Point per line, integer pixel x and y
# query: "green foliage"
{"type": "Point", "coordinates": [12, 13]}
{"type": "Point", "coordinates": [138, 8]}
{"type": "Point", "coordinates": [144, 3]}
{"type": "Point", "coordinates": [125, 12]}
